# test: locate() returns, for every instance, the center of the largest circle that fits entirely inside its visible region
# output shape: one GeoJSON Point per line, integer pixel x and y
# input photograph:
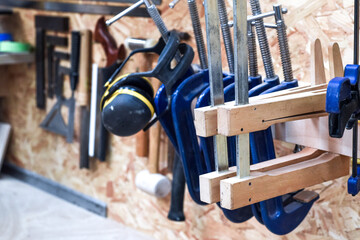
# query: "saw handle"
{"type": "Point", "coordinates": [75, 57]}
{"type": "Point", "coordinates": [103, 36]}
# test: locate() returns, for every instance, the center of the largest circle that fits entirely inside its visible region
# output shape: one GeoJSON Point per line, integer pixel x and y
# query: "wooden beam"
{"type": "Point", "coordinates": [210, 182]}
{"type": "Point", "coordinates": [206, 120]}
{"type": "Point", "coordinates": [235, 120]}
{"type": "Point", "coordinates": [260, 186]}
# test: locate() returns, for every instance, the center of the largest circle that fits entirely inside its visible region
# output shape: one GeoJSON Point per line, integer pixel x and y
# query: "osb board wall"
{"type": "Point", "coordinates": [334, 216]}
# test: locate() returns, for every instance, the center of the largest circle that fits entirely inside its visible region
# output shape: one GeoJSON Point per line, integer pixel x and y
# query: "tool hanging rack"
{"type": "Point", "coordinates": [279, 176]}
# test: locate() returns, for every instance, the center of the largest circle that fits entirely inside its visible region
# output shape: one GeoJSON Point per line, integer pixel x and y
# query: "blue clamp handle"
{"type": "Point", "coordinates": [342, 104]}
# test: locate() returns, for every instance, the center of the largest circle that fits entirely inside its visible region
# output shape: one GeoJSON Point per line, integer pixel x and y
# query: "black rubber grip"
{"type": "Point", "coordinates": [40, 68]}
{"type": "Point", "coordinates": [75, 58]}
{"type": "Point", "coordinates": [176, 211]}
{"type": "Point", "coordinates": [84, 138]}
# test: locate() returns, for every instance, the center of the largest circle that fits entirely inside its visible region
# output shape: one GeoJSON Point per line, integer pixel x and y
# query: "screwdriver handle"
{"type": "Point", "coordinates": [75, 57]}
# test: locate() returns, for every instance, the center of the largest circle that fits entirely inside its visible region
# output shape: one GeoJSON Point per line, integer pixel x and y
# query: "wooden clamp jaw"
{"type": "Point", "coordinates": [272, 178]}
{"type": "Point", "coordinates": [263, 111]}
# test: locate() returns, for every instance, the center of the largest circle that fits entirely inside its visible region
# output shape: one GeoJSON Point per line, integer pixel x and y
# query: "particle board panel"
{"type": "Point", "coordinates": [335, 215]}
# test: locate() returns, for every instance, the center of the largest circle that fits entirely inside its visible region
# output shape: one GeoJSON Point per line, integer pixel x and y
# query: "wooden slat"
{"type": "Point", "coordinates": [236, 192]}
{"type": "Point", "coordinates": [210, 182]}
{"type": "Point", "coordinates": [235, 120]}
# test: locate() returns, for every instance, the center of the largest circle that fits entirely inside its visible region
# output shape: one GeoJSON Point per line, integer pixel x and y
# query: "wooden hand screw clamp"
{"type": "Point", "coordinates": [282, 175]}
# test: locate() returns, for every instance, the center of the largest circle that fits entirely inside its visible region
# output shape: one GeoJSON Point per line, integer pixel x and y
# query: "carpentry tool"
{"type": "Point", "coordinates": [229, 93]}
{"type": "Point", "coordinates": [51, 42]}
{"type": "Point", "coordinates": [186, 138]}
{"type": "Point", "coordinates": [42, 24]}
{"type": "Point", "coordinates": [261, 148]}
{"type": "Point", "coordinates": [40, 68]}
{"type": "Point", "coordinates": [50, 72]}
{"type": "Point", "coordinates": [83, 95]}
{"type": "Point", "coordinates": [74, 79]}
{"type": "Point", "coordinates": [53, 121]}
{"type": "Point", "coordinates": [103, 36]}
{"type": "Point", "coordinates": [75, 8]}
{"type": "Point", "coordinates": [342, 104]}
{"type": "Point", "coordinates": [261, 142]}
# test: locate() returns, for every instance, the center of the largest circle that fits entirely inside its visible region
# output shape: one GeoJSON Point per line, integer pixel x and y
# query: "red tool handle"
{"type": "Point", "coordinates": [103, 36]}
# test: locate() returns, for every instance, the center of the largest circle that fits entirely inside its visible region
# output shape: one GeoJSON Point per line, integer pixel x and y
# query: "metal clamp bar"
{"type": "Point", "coordinates": [216, 78]}
{"type": "Point", "coordinates": [241, 82]}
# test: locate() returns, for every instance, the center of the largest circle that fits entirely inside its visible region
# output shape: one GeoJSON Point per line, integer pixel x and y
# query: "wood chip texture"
{"type": "Point", "coordinates": [334, 216]}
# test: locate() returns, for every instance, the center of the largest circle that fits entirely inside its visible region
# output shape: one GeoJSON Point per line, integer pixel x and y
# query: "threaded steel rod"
{"type": "Point", "coordinates": [200, 44]}
{"type": "Point", "coordinates": [262, 38]}
{"type": "Point", "coordinates": [225, 30]}
{"type": "Point", "coordinates": [283, 44]}
{"type": "Point", "coordinates": [253, 64]}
